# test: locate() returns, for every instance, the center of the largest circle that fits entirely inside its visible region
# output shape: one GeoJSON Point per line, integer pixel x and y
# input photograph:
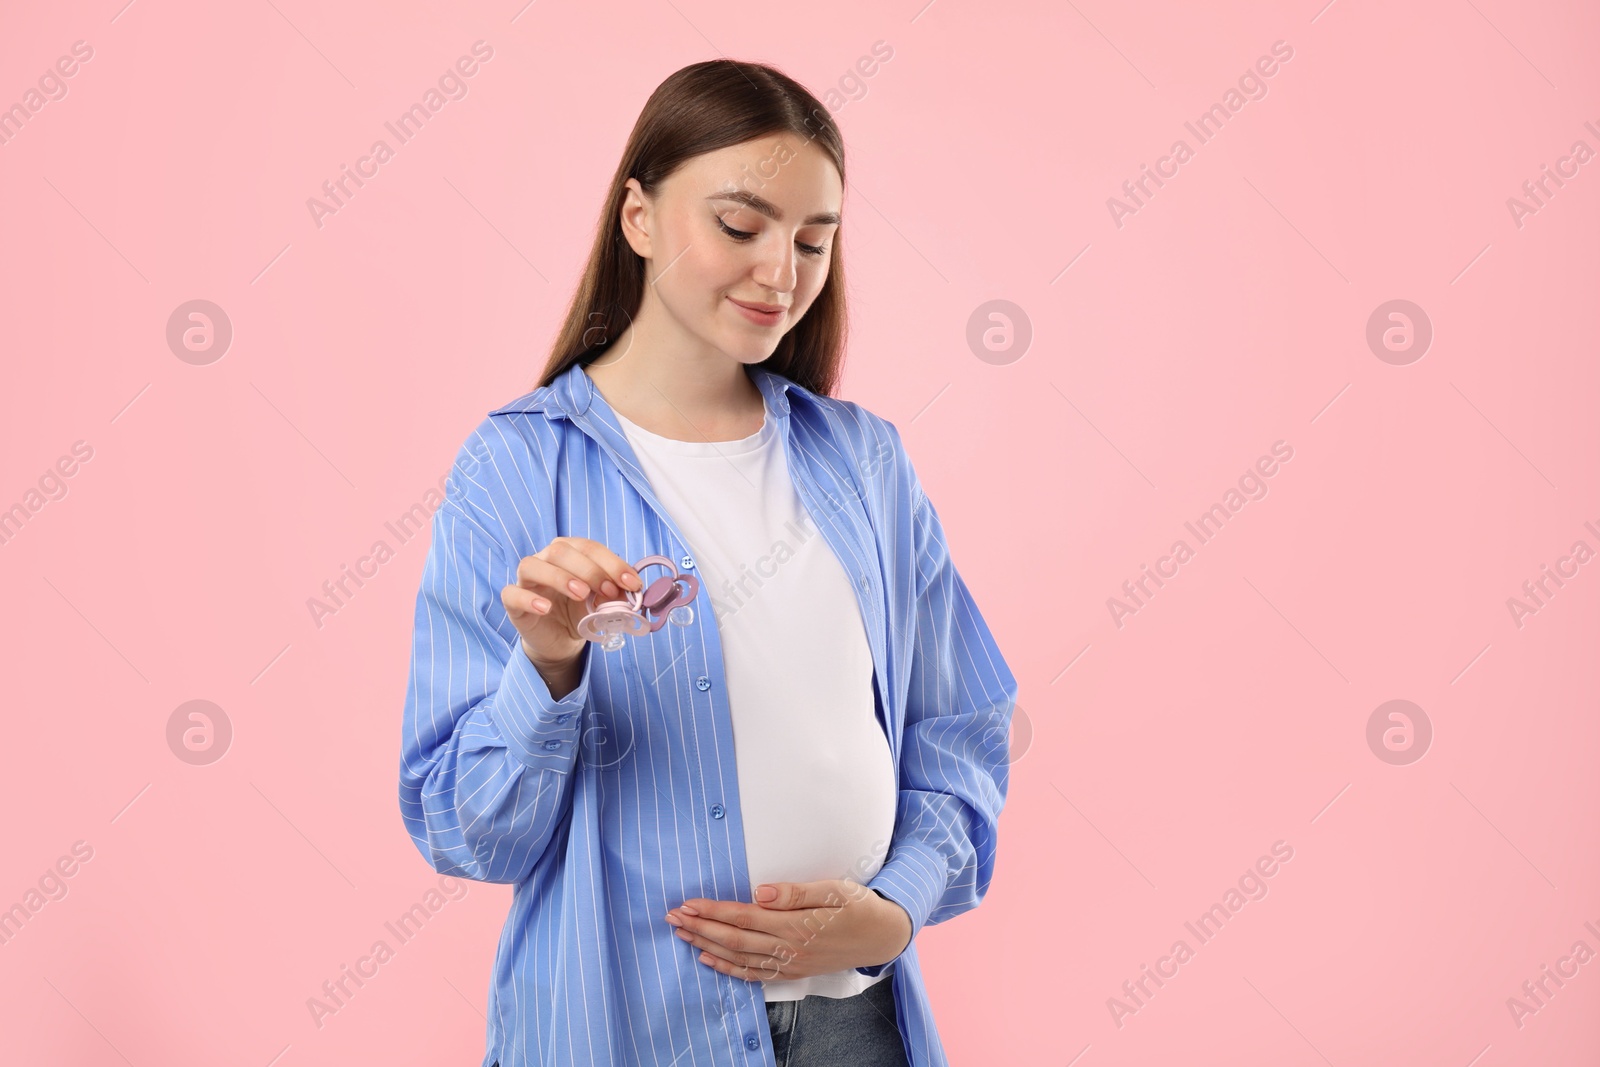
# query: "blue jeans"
{"type": "Point", "coordinates": [858, 1031]}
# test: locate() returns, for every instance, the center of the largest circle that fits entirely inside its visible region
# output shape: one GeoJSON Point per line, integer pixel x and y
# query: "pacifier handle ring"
{"type": "Point", "coordinates": [655, 561]}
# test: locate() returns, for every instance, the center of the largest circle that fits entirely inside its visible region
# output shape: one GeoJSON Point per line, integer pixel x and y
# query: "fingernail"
{"type": "Point", "coordinates": [631, 578]}
{"type": "Point", "coordinates": [687, 910]}
{"type": "Point", "coordinates": [766, 892]}
{"type": "Point", "coordinates": [610, 590]}
{"type": "Point", "coordinates": [673, 919]}
{"type": "Point", "coordinates": [578, 588]}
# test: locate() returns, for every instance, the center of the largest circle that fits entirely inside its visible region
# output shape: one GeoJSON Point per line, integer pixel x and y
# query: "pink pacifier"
{"type": "Point", "coordinates": [663, 600]}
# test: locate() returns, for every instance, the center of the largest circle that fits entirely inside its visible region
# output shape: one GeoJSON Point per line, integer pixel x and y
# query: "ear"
{"type": "Point", "coordinates": [636, 217]}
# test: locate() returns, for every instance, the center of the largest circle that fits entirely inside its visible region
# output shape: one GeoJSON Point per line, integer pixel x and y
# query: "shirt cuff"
{"type": "Point", "coordinates": [541, 731]}
{"type": "Point", "coordinates": [914, 878]}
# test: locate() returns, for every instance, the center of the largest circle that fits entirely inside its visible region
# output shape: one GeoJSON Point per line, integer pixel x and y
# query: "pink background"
{"type": "Point", "coordinates": [1155, 760]}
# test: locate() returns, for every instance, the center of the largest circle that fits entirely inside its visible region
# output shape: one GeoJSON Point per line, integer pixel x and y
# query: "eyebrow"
{"type": "Point", "coordinates": [771, 210]}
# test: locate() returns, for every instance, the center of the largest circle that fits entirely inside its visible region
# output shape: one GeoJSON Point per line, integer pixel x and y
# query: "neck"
{"type": "Point", "coordinates": [683, 393]}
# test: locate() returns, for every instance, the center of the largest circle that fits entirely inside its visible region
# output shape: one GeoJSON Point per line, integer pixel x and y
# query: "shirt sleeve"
{"type": "Point", "coordinates": [955, 750]}
{"type": "Point", "coordinates": [487, 753]}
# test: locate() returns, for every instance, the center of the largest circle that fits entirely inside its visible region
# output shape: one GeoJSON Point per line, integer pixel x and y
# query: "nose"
{"type": "Point", "coordinates": [777, 270]}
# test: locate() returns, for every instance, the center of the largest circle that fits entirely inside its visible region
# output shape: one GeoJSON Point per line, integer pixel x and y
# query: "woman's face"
{"type": "Point", "coordinates": [752, 224]}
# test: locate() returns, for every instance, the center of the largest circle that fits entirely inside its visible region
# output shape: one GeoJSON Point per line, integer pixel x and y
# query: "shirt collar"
{"type": "Point", "coordinates": [572, 392]}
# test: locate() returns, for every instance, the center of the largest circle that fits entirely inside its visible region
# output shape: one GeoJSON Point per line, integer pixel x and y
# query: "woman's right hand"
{"type": "Point", "coordinates": [546, 609]}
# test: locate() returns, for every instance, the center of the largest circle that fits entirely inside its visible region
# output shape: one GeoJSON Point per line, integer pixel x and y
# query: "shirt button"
{"type": "Point", "coordinates": [702, 683]}
{"type": "Point", "coordinates": [863, 583]}
{"type": "Point", "coordinates": [552, 744]}
{"type": "Point", "coordinates": [687, 562]}
{"type": "Point", "coordinates": [563, 718]}
{"type": "Point", "coordinates": [717, 811]}
{"type": "Point", "coordinates": [752, 1042]}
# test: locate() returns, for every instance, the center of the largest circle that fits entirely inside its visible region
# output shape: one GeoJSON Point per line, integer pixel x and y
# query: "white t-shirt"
{"type": "Point", "coordinates": [816, 780]}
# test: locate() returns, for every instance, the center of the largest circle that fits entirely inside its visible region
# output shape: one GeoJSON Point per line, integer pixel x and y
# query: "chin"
{"type": "Point", "coordinates": [743, 350]}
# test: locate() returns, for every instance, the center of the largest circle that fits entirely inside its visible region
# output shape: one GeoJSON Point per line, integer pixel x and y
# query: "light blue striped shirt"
{"type": "Point", "coordinates": [609, 807]}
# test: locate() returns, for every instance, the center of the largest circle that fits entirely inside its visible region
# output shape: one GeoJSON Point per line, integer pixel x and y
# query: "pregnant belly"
{"type": "Point", "coordinates": [819, 811]}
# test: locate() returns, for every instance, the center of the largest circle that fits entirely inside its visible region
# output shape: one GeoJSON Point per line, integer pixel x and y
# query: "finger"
{"type": "Point", "coordinates": [525, 601]}
{"type": "Point", "coordinates": [593, 566]}
{"type": "Point", "coordinates": [614, 574]}
{"type": "Point", "coordinates": [752, 965]}
{"type": "Point", "coordinates": [550, 578]}
{"type": "Point", "coordinates": [728, 937]}
{"type": "Point", "coordinates": [767, 970]}
{"type": "Point", "coordinates": [617, 569]}
{"type": "Point", "coordinates": [793, 896]}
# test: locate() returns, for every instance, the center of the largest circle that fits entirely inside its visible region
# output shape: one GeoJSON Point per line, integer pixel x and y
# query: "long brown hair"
{"type": "Point", "coordinates": [701, 108]}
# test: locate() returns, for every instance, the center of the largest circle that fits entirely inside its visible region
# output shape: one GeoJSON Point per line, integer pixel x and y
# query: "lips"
{"type": "Point", "coordinates": [767, 308]}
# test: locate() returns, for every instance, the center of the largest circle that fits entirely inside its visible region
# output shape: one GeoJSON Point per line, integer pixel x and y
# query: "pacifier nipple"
{"type": "Point", "coordinates": [610, 623]}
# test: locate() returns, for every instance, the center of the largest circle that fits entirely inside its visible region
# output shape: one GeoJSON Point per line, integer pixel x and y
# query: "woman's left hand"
{"type": "Point", "coordinates": [807, 928]}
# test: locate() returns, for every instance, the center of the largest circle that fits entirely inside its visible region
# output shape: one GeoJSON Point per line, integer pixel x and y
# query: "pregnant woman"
{"type": "Point", "coordinates": [723, 834]}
